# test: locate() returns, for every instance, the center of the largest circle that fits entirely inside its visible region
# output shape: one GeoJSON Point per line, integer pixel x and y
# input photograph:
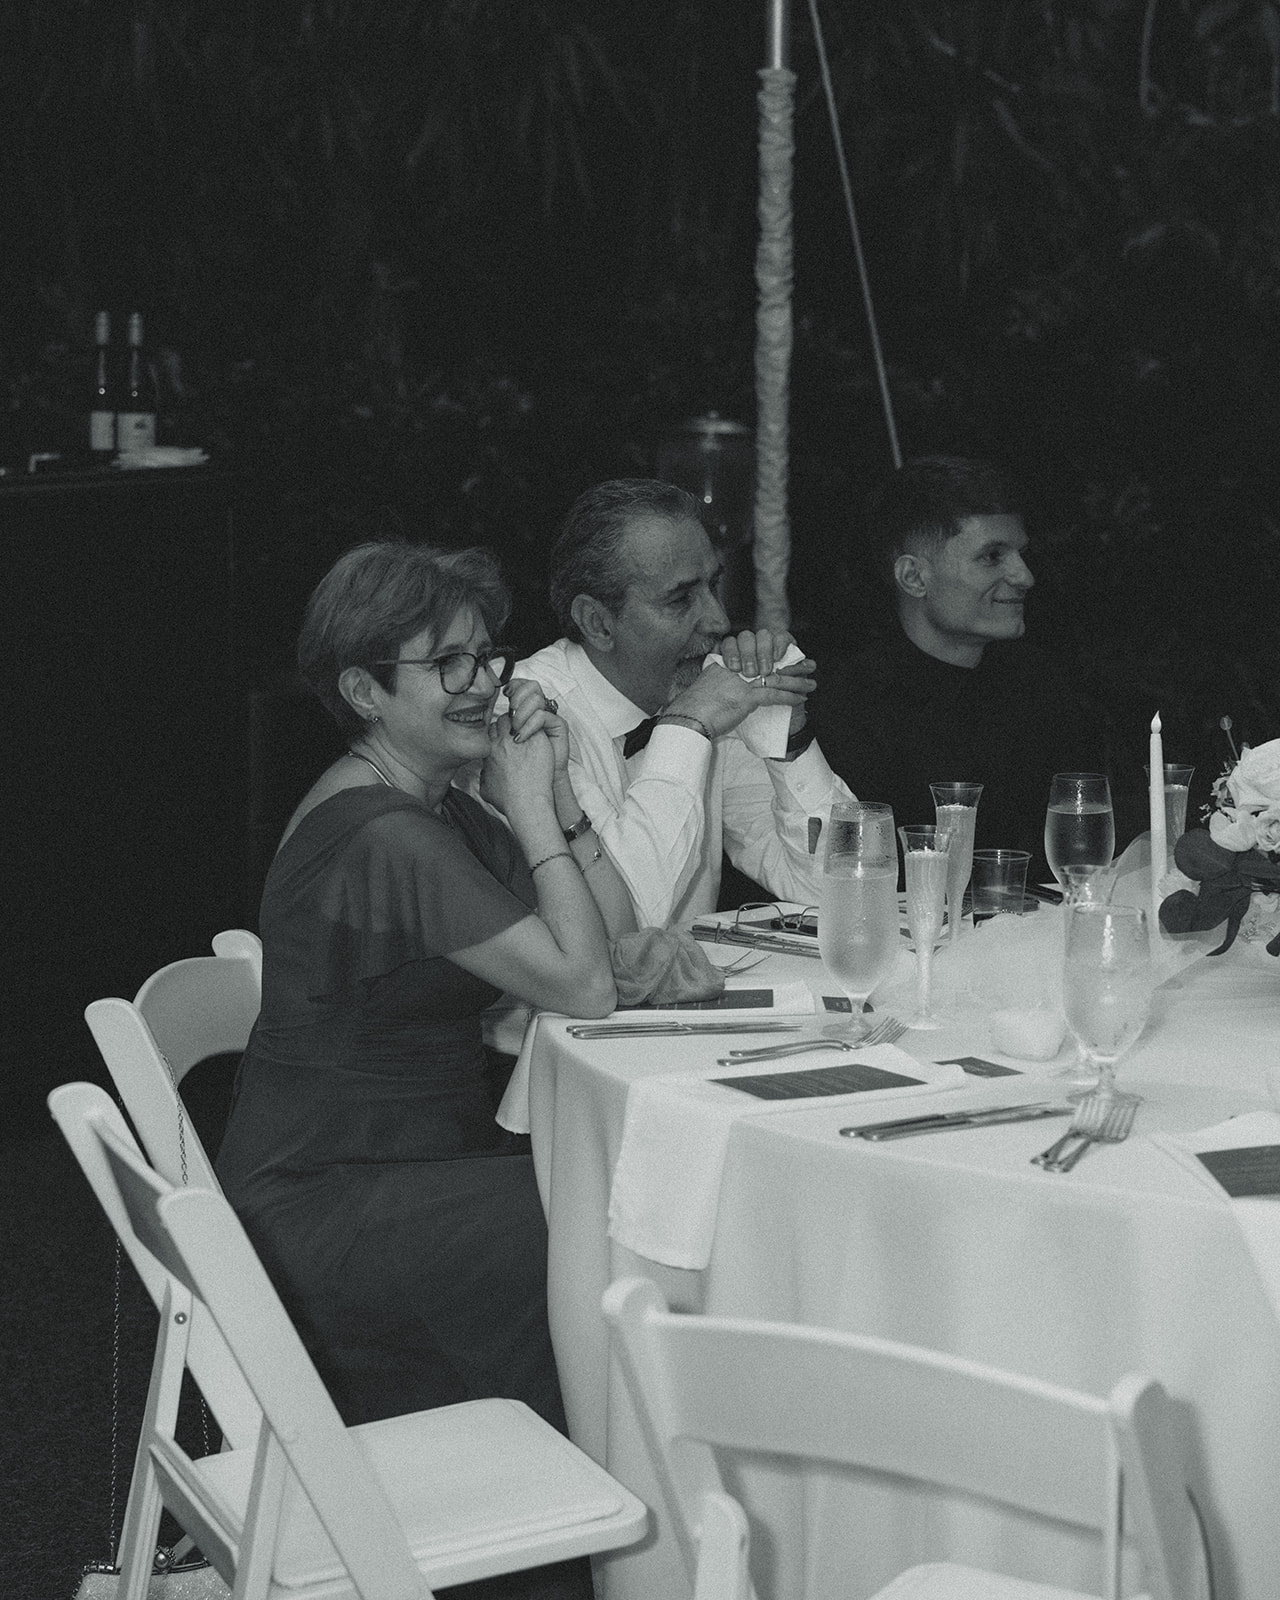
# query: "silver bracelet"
{"type": "Point", "coordinates": [555, 855]}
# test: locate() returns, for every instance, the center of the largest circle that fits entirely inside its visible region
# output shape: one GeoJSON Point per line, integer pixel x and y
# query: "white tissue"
{"type": "Point", "coordinates": [764, 732]}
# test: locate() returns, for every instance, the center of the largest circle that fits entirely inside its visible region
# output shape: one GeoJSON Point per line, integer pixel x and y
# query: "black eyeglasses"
{"type": "Point", "coordinates": [459, 669]}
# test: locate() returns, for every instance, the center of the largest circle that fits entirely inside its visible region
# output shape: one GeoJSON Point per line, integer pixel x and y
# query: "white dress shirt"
{"type": "Point", "coordinates": [666, 816]}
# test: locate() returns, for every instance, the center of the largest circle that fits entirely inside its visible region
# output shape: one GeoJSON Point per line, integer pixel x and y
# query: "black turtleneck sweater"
{"type": "Point", "coordinates": [892, 720]}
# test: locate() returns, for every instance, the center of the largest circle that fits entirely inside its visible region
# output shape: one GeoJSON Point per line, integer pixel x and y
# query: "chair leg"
{"type": "Point", "coordinates": [722, 1551]}
{"type": "Point", "coordinates": [142, 1513]}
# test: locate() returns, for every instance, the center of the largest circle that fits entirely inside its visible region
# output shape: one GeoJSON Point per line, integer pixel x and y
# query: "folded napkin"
{"type": "Point", "coordinates": [741, 999]}
{"type": "Point", "coordinates": [764, 732]}
{"type": "Point", "coordinates": [162, 455]}
{"type": "Point", "coordinates": [666, 1184]}
{"type": "Point", "coordinates": [1244, 1169]}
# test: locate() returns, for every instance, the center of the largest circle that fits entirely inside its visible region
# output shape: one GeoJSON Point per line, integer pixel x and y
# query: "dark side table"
{"type": "Point", "coordinates": [125, 748]}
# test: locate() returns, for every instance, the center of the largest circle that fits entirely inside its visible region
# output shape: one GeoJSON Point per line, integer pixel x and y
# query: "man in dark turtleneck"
{"type": "Point", "coordinates": [953, 692]}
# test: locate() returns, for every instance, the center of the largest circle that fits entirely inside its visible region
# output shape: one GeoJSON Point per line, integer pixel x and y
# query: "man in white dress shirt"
{"type": "Point", "coordinates": [655, 755]}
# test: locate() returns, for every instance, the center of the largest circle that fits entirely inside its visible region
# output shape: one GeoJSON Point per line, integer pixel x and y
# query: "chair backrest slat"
{"type": "Point", "coordinates": [704, 1384]}
{"type": "Point", "coordinates": [184, 1013]}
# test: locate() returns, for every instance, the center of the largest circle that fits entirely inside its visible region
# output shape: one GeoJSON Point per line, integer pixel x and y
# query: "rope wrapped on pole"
{"type": "Point", "coordinates": [774, 254]}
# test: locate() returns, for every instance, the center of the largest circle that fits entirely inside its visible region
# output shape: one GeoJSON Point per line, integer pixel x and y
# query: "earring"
{"type": "Point", "coordinates": [374, 717]}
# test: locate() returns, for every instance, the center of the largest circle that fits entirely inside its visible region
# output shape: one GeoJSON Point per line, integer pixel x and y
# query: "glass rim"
{"type": "Point", "coordinates": [1101, 776]}
{"type": "Point", "coordinates": [1002, 855]}
{"type": "Point", "coordinates": [1120, 909]}
{"type": "Point", "coordinates": [928, 830]}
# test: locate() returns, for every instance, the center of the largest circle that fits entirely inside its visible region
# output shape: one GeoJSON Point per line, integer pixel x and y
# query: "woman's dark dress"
{"type": "Point", "coordinates": [400, 1223]}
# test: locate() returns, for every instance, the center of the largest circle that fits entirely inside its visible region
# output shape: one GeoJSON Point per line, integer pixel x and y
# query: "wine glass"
{"type": "Point", "coordinates": [956, 806]}
{"type": "Point", "coordinates": [1079, 826]}
{"type": "Point", "coordinates": [1107, 983]}
{"type": "Point", "coordinates": [858, 910]}
{"type": "Point", "coordinates": [926, 854]}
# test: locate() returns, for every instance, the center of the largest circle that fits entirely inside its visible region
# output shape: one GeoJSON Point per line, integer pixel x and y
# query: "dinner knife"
{"type": "Point", "coordinates": [643, 1030]}
{"type": "Point", "coordinates": [941, 1121]}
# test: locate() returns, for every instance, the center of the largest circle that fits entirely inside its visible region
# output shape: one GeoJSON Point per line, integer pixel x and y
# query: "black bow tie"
{"type": "Point", "coordinates": [638, 738]}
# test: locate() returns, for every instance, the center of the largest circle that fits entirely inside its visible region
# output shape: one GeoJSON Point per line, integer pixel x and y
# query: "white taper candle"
{"type": "Point", "coordinates": [1159, 842]}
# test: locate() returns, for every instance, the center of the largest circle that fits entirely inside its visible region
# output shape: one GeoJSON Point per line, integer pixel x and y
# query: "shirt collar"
{"type": "Point", "coordinates": [618, 714]}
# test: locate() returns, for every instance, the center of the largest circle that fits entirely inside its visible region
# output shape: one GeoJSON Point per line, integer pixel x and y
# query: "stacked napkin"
{"type": "Point", "coordinates": [666, 1185]}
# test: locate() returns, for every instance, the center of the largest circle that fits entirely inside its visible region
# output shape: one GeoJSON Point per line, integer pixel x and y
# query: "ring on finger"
{"type": "Point", "coordinates": [553, 706]}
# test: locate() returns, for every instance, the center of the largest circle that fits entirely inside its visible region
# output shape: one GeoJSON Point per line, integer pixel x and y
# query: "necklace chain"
{"type": "Point", "coordinates": [441, 811]}
{"type": "Point", "coordinates": [370, 762]}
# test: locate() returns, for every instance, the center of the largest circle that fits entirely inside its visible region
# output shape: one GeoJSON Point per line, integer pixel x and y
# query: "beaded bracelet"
{"type": "Point", "coordinates": [554, 856]}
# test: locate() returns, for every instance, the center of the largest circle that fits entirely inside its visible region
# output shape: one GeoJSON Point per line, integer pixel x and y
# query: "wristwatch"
{"type": "Point", "coordinates": [581, 826]}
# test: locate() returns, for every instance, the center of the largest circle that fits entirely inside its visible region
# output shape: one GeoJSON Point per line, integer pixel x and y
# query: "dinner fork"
{"type": "Point", "coordinates": [1114, 1130]}
{"type": "Point", "coordinates": [1089, 1115]}
{"type": "Point", "coordinates": [886, 1031]}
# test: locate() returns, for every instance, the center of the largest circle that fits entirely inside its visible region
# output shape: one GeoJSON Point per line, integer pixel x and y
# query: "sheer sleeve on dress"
{"type": "Point", "coordinates": [408, 887]}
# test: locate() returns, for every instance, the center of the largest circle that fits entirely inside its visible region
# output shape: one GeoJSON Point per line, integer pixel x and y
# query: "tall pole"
{"type": "Point", "coordinates": [774, 254]}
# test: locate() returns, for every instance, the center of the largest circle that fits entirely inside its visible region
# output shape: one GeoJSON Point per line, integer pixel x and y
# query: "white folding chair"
{"type": "Point", "coordinates": [707, 1387]}
{"type": "Point", "coordinates": [184, 1013]}
{"type": "Point", "coordinates": [313, 1510]}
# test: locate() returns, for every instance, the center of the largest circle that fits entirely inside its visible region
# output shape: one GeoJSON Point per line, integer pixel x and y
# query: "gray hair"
{"type": "Point", "coordinates": [586, 559]}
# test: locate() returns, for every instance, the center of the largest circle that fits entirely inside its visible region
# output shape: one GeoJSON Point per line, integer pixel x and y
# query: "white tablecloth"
{"type": "Point", "coordinates": [954, 1241]}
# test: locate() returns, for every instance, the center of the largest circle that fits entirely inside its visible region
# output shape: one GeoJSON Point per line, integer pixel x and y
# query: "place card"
{"type": "Point", "coordinates": [1246, 1170]}
{"type": "Point", "coordinates": [848, 1077]}
{"type": "Point", "coordinates": [976, 1067]}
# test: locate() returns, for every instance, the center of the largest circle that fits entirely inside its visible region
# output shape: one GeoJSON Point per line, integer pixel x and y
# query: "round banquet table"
{"type": "Point", "coordinates": [954, 1241]}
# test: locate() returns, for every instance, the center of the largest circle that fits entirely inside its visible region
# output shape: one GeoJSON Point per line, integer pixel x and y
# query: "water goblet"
{"type": "Point", "coordinates": [1084, 881]}
{"type": "Point", "coordinates": [956, 807]}
{"type": "Point", "coordinates": [1107, 983]}
{"type": "Point", "coordinates": [1079, 826]}
{"type": "Point", "coordinates": [926, 853]}
{"type": "Point", "coordinates": [858, 936]}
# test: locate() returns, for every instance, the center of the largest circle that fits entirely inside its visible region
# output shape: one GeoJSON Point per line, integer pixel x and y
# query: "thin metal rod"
{"type": "Point", "coordinates": [778, 28]}
{"type": "Point", "coordinates": [864, 280]}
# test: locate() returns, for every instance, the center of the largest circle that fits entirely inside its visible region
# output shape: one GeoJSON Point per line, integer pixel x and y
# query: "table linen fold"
{"type": "Point", "coordinates": [666, 1182]}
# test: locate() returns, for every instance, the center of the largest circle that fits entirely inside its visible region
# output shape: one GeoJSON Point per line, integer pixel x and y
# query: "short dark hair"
{"type": "Point", "coordinates": [378, 595]}
{"type": "Point", "coordinates": [585, 557]}
{"type": "Point", "coordinates": [924, 501]}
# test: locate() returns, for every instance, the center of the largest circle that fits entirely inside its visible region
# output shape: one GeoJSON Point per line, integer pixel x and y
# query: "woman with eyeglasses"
{"type": "Point", "coordinates": [401, 1224]}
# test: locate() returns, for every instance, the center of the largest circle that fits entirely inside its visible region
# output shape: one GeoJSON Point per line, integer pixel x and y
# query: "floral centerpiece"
{"type": "Point", "coordinates": [1235, 861]}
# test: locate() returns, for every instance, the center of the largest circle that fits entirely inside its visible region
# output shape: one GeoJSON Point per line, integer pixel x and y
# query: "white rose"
{"type": "Point", "coordinates": [1255, 778]}
{"type": "Point", "coordinates": [1234, 830]}
{"type": "Point", "coordinates": [1267, 824]}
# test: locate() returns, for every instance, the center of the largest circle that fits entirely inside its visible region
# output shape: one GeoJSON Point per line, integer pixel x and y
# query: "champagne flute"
{"type": "Point", "coordinates": [1177, 787]}
{"type": "Point", "coordinates": [1079, 826]}
{"type": "Point", "coordinates": [956, 805]}
{"type": "Point", "coordinates": [926, 854]}
{"type": "Point", "coordinates": [1107, 983]}
{"type": "Point", "coordinates": [858, 910]}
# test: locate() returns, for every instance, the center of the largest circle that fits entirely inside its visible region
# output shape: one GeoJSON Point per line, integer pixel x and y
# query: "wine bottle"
{"type": "Point", "coordinates": [136, 419]}
{"type": "Point", "coordinates": [102, 411]}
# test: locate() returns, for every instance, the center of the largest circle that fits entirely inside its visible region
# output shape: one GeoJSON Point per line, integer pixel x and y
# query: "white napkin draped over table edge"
{"type": "Point", "coordinates": [764, 731]}
{"type": "Point", "coordinates": [1258, 1216]}
{"type": "Point", "coordinates": [666, 1184]}
{"type": "Point", "coordinates": [792, 999]}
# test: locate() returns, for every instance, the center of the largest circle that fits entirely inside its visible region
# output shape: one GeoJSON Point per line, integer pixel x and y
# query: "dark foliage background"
{"type": "Point", "coordinates": [451, 261]}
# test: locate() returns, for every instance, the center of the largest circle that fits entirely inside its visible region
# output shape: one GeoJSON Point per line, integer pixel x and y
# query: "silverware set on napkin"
{"type": "Point", "coordinates": [669, 1027]}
